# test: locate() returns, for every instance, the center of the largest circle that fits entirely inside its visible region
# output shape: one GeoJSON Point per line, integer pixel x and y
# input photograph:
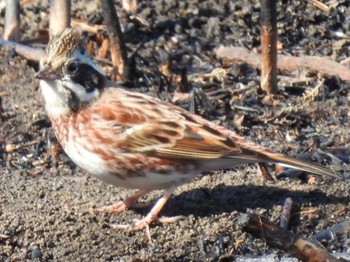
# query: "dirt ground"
{"type": "Point", "coordinates": [45, 205]}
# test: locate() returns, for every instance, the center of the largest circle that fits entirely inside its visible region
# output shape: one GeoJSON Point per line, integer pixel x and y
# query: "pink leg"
{"type": "Point", "coordinates": [152, 216]}
{"type": "Point", "coordinates": [123, 205]}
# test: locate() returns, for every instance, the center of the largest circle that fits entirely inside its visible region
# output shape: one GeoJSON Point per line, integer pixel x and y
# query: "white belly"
{"type": "Point", "coordinates": [95, 165]}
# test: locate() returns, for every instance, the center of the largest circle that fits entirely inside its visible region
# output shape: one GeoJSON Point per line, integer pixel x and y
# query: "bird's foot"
{"type": "Point", "coordinates": [116, 208]}
{"type": "Point", "coordinates": [140, 224]}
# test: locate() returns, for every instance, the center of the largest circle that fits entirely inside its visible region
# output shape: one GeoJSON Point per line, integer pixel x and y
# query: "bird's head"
{"type": "Point", "coordinates": [69, 71]}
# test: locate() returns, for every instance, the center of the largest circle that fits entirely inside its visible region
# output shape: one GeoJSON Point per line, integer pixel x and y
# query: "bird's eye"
{"type": "Point", "coordinates": [72, 68]}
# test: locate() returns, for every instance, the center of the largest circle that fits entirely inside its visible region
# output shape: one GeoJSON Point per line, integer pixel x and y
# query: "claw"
{"type": "Point", "coordinates": [140, 224]}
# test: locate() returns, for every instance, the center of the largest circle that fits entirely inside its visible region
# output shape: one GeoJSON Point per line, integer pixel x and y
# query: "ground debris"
{"type": "Point", "coordinates": [276, 236]}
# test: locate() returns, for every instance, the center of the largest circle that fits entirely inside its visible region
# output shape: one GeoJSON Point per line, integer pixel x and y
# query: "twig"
{"type": "Point", "coordinates": [12, 21]}
{"type": "Point", "coordinates": [27, 52]}
{"type": "Point", "coordinates": [86, 27]}
{"type": "Point", "coordinates": [116, 37]}
{"type": "Point", "coordinates": [4, 237]}
{"type": "Point", "coordinates": [283, 239]}
{"type": "Point", "coordinates": [285, 214]}
{"type": "Point", "coordinates": [264, 172]}
{"type": "Point", "coordinates": [59, 16]}
{"type": "Point", "coordinates": [290, 64]}
{"type": "Point", "coordinates": [342, 229]}
{"type": "Point", "coordinates": [268, 13]}
{"type": "Point", "coordinates": [1, 110]}
{"type": "Point", "coordinates": [321, 6]}
{"type": "Point", "coordinates": [310, 96]}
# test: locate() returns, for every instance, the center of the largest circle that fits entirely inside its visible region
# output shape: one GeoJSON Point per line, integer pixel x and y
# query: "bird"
{"type": "Point", "coordinates": [132, 140]}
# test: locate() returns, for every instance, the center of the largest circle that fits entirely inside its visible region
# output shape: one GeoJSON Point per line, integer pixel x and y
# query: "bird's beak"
{"type": "Point", "coordinates": [46, 73]}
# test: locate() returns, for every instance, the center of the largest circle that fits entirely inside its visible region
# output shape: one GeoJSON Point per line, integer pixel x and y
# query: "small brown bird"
{"type": "Point", "coordinates": [133, 140]}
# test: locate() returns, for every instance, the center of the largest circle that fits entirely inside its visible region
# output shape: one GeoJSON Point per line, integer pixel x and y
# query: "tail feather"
{"type": "Point", "coordinates": [303, 165]}
{"type": "Point", "coordinates": [252, 156]}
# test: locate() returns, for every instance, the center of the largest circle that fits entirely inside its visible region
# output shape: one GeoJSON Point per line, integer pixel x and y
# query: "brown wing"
{"type": "Point", "coordinates": [178, 140]}
{"type": "Point", "coordinates": [158, 128]}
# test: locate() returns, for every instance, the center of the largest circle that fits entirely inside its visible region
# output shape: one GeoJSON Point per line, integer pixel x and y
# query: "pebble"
{"type": "Point", "coordinates": [10, 148]}
{"type": "Point", "coordinates": [36, 253]}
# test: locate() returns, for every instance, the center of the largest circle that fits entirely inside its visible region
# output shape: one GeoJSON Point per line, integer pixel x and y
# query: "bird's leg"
{"type": "Point", "coordinates": [152, 216]}
{"type": "Point", "coordinates": [123, 205]}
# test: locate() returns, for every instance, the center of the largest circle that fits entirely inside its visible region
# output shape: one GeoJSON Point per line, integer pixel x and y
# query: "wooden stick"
{"type": "Point", "coordinates": [268, 13]}
{"type": "Point", "coordinates": [25, 51]}
{"type": "Point", "coordinates": [12, 21]}
{"type": "Point", "coordinates": [59, 16]}
{"type": "Point", "coordinates": [325, 66]}
{"type": "Point", "coordinates": [117, 43]}
{"type": "Point", "coordinates": [286, 212]}
{"type": "Point", "coordinates": [281, 238]}
{"type": "Point", "coordinates": [86, 27]}
{"type": "Point", "coordinates": [321, 6]}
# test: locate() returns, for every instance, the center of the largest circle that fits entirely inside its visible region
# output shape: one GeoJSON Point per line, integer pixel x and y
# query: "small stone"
{"type": "Point", "coordinates": [36, 253]}
{"type": "Point", "coordinates": [10, 148]}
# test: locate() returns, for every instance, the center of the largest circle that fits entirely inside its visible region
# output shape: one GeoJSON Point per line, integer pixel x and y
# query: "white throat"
{"type": "Point", "coordinates": [55, 101]}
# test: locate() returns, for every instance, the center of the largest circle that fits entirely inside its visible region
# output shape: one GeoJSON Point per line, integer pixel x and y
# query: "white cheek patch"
{"type": "Point", "coordinates": [79, 91]}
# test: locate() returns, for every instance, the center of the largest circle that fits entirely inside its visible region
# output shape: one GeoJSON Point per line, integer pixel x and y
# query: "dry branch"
{"type": "Point", "coordinates": [321, 6]}
{"type": "Point", "coordinates": [59, 16]}
{"type": "Point", "coordinates": [268, 13]}
{"type": "Point", "coordinates": [116, 37]}
{"type": "Point", "coordinates": [283, 239]}
{"type": "Point", "coordinates": [289, 64]}
{"type": "Point", "coordinates": [12, 21]}
{"type": "Point", "coordinates": [25, 51]}
{"type": "Point", "coordinates": [286, 213]}
{"type": "Point", "coordinates": [86, 27]}
{"type": "Point", "coordinates": [35, 54]}
{"type": "Point", "coordinates": [341, 230]}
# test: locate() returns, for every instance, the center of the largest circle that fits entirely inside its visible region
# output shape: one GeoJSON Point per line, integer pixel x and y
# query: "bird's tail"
{"type": "Point", "coordinates": [266, 156]}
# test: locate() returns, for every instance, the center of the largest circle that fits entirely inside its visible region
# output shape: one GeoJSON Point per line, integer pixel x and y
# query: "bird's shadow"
{"type": "Point", "coordinates": [206, 202]}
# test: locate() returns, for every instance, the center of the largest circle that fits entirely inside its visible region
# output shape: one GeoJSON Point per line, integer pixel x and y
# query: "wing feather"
{"type": "Point", "coordinates": [160, 129]}
{"type": "Point", "coordinates": [157, 128]}
{"type": "Point", "coordinates": [176, 140]}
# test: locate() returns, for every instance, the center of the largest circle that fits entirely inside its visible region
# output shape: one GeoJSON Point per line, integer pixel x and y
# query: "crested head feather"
{"type": "Point", "coordinates": [61, 47]}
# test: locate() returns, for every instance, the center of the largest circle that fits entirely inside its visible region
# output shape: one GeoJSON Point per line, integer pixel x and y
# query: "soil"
{"type": "Point", "coordinates": [46, 202]}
